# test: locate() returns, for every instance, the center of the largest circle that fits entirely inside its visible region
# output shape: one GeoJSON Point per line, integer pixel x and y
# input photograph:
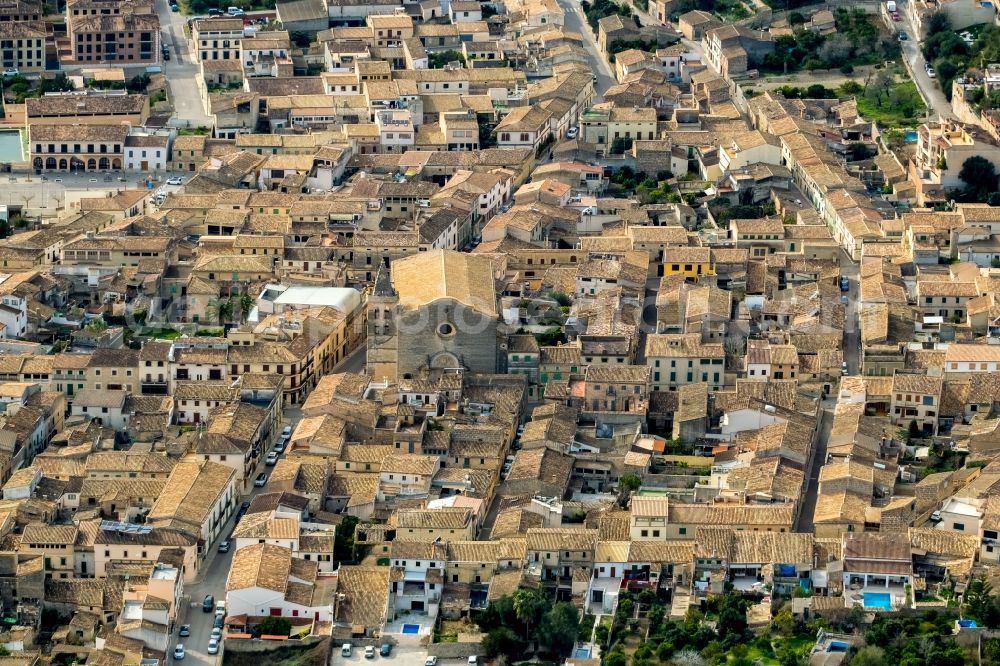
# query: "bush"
{"type": "Point", "coordinates": [275, 626]}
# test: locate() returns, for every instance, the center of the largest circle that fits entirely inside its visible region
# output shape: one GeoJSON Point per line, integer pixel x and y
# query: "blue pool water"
{"type": "Point", "coordinates": [11, 148]}
{"type": "Point", "coordinates": [837, 646]}
{"type": "Point", "coordinates": [879, 600]}
{"type": "Point", "coordinates": [411, 628]}
{"type": "Point", "coordinates": [582, 653]}
{"type": "Point", "coordinates": [910, 136]}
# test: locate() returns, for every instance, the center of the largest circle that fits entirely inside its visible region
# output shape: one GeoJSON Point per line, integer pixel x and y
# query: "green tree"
{"type": "Point", "coordinates": [870, 655]}
{"type": "Point", "coordinates": [529, 606]}
{"type": "Point", "coordinates": [439, 59]}
{"type": "Point", "coordinates": [220, 310]}
{"type": "Point", "coordinates": [784, 621]}
{"type": "Point", "coordinates": [96, 325]}
{"type": "Point", "coordinates": [630, 482]}
{"type": "Point", "coordinates": [732, 625]}
{"type": "Point", "coordinates": [247, 303]}
{"type": "Point", "coordinates": [616, 658]}
{"type": "Point", "coordinates": [980, 604]}
{"type": "Point", "coordinates": [562, 299]}
{"type": "Point", "coordinates": [502, 641]}
{"type": "Point", "coordinates": [559, 628]}
{"type": "Point", "coordinates": [938, 23]}
{"type": "Point", "coordinates": [979, 176]}
{"type": "Point", "coordinates": [343, 545]}
{"type": "Point", "coordinates": [275, 626]}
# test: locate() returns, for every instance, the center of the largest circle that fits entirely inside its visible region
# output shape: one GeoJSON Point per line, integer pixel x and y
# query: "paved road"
{"type": "Point", "coordinates": [577, 22]}
{"type": "Point", "coordinates": [940, 106]}
{"type": "Point", "coordinates": [65, 190]}
{"type": "Point", "coordinates": [355, 362]}
{"type": "Point", "coordinates": [852, 334]}
{"type": "Point", "coordinates": [212, 580]}
{"type": "Point", "coordinates": [182, 69]}
{"type": "Point", "coordinates": [808, 506]}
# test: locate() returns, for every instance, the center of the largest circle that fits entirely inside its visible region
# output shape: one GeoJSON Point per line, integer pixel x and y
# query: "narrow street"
{"type": "Point", "coordinates": [807, 509]}
{"type": "Point", "coordinates": [577, 22]}
{"type": "Point", "coordinates": [181, 70]}
{"type": "Point", "coordinates": [212, 578]}
{"type": "Point", "coordinates": [940, 106]}
{"type": "Point", "coordinates": [852, 333]}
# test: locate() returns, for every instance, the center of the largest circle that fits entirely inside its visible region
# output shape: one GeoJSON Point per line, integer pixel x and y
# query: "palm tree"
{"type": "Point", "coordinates": [528, 606]}
{"type": "Point", "coordinates": [226, 310]}
{"type": "Point", "coordinates": [219, 310]}
{"type": "Point", "coordinates": [246, 305]}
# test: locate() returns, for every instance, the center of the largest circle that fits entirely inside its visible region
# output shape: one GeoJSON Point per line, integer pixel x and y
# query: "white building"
{"type": "Point", "coordinates": [147, 151]}
{"type": "Point", "coordinates": [395, 130]}
{"type": "Point", "coordinates": [102, 406]}
{"type": "Point", "coordinates": [279, 298]}
{"type": "Point", "coordinates": [959, 358]}
{"type": "Point", "coordinates": [266, 580]}
{"type": "Point", "coordinates": [417, 575]}
{"type": "Point", "coordinates": [13, 314]}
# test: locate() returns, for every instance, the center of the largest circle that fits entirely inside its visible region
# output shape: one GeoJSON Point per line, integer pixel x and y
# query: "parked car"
{"type": "Point", "coordinates": [220, 608]}
{"type": "Point", "coordinates": [220, 621]}
{"type": "Point", "coordinates": [216, 633]}
{"type": "Point", "coordinates": [224, 546]}
{"type": "Point", "coordinates": [936, 516]}
{"type": "Point", "coordinates": [843, 368]}
{"type": "Point", "coordinates": [369, 652]}
{"type": "Point", "coordinates": [345, 650]}
{"type": "Point", "coordinates": [286, 431]}
{"type": "Point", "coordinates": [174, 8]}
{"type": "Point", "coordinates": [473, 660]}
{"type": "Point", "coordinates": [179, 652]}
{"type": "Point", "coordinates": [176, 180]}
{"type": "Point", "coordinates": [845, 284]}
{"type": "Point", "coordinates": [10, 71]}
{"type": "Point", "coordinates": [261, 480]}
{"type": "Point", "coordinates": [244, 506]}
{"type": "Point", "coordinates": [930, 73]}
{"type": "Point", "coordinates": [213, 646]}
{"type": "Point", "coordinates": [280, 445]}
{"type": "Point", "coordinates": [166, 55]}
{"type": "Point", "coordinates": [208, 603]}
{"type": "Point", "coordinates": [844, 300]}
{"type": "Point", "coordinates": [385, 649]}
{"type": "Point", "coordinates": [896, 17]}
{"type": "Point", "coordinates": [431, 661]}
{"type": "Point", "coordinates": [215, 12]}
{"type": "Point", "coordinates": [235, 11]}
{"type": "Point", "coordinates": [185, 631]}
{"type": "Point", "coordinates": [903, 37]}
{"type": "Point", "coordinates": [272, 458]}
{"type": "Point", "coordinates": [572, 132]}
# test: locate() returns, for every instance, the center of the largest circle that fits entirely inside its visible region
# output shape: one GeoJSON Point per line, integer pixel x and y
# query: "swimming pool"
{"type": "Point", "coordinates": [411, 629]}
{"type": "Point", "coordinates": [878, 600]}
{"type": "Point", "coordinates": [582, 653]}
{"type": "Point", "coordinates": [837, 646]}
{"type": "Point", "coordinates": [910, 136]}
{"type": "Point", "coordinates": [11, 147]}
